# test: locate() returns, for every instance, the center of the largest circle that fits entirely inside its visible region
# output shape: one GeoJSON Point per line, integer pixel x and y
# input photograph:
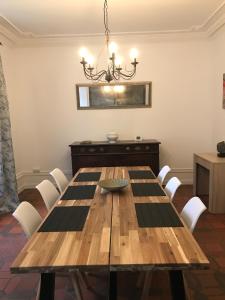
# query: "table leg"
{"type": "Point", "coordinates": [47, 286]}
{"type": "Point", "coordinates": [177, 285]}
{"type": "Point", "coordinates": [113, 286]}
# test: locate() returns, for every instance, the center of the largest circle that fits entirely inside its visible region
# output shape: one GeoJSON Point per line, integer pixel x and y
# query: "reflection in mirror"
{"type": "Point", "coordinates": [120, 95]}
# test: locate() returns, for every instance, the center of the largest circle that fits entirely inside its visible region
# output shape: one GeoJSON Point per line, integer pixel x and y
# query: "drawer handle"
{"type": "Point", "coordinates": [137, 148]}
{"type": "Point", "coordinates": [127, 148]}
{"type": "Point", "coordinates": [102, 149]}
{"type": "Point", "coordinates": [147, 147]}
{"type": "Point", "coordinates": [92, 150]}
{"type": "Point", "coordinates": [82, 149]}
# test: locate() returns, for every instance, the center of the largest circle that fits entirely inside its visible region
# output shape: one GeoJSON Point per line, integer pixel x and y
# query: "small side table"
{"type": "Point", "coordinates": [209, 178]}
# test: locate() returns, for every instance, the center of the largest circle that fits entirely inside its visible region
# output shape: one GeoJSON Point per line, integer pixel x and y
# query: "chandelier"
{"type": "Point", "coordinates": [114, 70]}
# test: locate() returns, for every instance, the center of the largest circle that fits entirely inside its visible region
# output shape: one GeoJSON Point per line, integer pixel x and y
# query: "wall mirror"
{"type": "Point", "coordinates": [116, 95]}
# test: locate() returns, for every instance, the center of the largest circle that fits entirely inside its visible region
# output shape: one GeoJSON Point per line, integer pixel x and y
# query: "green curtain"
{"type": "Point", "coordinates": [8, 186]}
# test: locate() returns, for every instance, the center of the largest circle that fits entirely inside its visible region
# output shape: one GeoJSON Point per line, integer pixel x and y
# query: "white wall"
{"type": "Point", "coordinates": [218, 50]}
{"type": "Point", "coordinates": [45, 119]}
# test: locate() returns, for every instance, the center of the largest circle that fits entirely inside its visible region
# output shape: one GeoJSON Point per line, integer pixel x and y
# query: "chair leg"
{"type": "Point", "coordinates": [84, 279]}
{"type": "Point", "coordinates": [188, 297]}
{"type": "Point", "coordinates": [76, 286]}
{"type": "Point", "coordinates": [38, 290]}
{"type": "Point", "coordinates": [147, 283]}
{"type": "Point", "coordinates": [140, 279]}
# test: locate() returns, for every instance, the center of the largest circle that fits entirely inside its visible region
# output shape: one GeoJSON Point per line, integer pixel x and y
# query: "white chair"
{"type": "Point", "coordinates": [171, 187]}
{"type": "Point", "coordinates": [28, 217]}
{"type": "Point", "coordinates": [192, 211]}
{"type": "Point", "coordinates": [48, 192]}
{"type": "Point", "coordinates": [163, 172]}
{"type": "Point", "coordinates": [60, 179]}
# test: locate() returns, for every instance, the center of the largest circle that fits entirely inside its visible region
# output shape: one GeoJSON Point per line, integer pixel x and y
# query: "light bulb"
{"type": "Point", "coordinates": [113, 48]}
{"type": "Point", "coordinates": [83, 52]}
{"type": "Point", "coordinates": [118, 61]}
{"type": "Point", "coordinates": [107, 89]}
{"type": "Point", "coordinates": [119, 88]}
{"type": "Point", "coordinates": [133, 53]}
{"type": "Point", "coordinates": [90, 60]}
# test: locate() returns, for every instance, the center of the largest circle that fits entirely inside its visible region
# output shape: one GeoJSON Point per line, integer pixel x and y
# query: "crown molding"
{"type": "Point", "coordinates": [9, 35]}
{"type": "Point", "coordinates": [213, 17]}
{"type": "Point", "coordinates": [13, 36]}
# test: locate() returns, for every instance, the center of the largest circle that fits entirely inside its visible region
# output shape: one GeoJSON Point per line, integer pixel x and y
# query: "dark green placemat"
{"type": "Point", "coordinates": [141, 174]}
{"type": "Point", "coordinates": [147, 189]}
{"type": "Point", "coordinates": [79, 192]}
{"type": "Point", "coordinates": [157, 215]}
{"type": "Point", "coordinates": [69, 218]}
{"type": "Point", "coordinates": [88, 176]}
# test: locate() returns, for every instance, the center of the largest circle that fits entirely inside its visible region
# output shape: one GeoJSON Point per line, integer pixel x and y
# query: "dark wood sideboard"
{"type": "Point", "coordinates": [121, 153]}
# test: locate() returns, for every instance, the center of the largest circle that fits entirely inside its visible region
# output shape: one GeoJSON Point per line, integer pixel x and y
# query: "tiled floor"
{"type": "Point", "coordinates": [202, 285]}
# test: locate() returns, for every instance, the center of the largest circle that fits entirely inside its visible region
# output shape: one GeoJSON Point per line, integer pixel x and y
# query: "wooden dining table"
{"type": "Point", "coordinates": [113, 236]}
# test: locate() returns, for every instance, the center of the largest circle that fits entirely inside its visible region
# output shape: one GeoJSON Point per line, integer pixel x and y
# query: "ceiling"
{"type": "Point", "coordinates": [75, 17]}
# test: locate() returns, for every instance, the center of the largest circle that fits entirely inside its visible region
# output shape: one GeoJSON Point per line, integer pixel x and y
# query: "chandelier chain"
{"type": "Point", "coordinates": [106, 22]}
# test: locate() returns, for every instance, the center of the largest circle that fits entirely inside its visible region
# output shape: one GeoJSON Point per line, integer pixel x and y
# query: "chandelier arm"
{"type": "Point", "coordinates": [116, 75]}
{"type": "Point", "coordinates": [127, 78]}
{"type": "Point", "coordinates": [89, 72]}
{"type": "Point", "coordinates": [129, 74]}
{"type": "Point", "coordinates": [99, 75]}
{"type": "Point", "coordinates": [123, 75]}
{"type": "Point", "coordinates": [131, 71]}
{"type": "Point", "coordinates": [96, 76]}
{"type": "Point", "coordinates": [91, 77]}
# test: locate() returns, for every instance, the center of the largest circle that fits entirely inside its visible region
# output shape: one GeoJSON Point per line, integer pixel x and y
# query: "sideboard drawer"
{"type": "Point", "coordinates": [87, 150]}
{"type": "Point", "coordinates": [133, 148]}
{"type": "Point", "coordinates": [123, 153]}
{"type": "Point", "coordinates": [141, 148]}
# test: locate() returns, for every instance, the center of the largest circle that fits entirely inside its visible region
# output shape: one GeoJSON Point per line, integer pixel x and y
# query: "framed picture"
{"type": "Point", "coordinates": [223, 90]}
{"type": "Point", "coordinates": [116, 95]}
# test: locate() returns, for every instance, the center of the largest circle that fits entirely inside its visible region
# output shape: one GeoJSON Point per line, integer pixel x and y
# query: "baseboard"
{"type": "Point", "coordinates": [27, 180]}
{"type": "Point", "coordinates": [184, 174]}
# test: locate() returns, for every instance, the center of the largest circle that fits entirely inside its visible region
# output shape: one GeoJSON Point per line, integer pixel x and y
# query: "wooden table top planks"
{"type": "Point", "coordinates": [63, 251]}
{"type": "Point", "coordinates": [138, 248]}
{"type": "Point", "coordinates": [111, 238]}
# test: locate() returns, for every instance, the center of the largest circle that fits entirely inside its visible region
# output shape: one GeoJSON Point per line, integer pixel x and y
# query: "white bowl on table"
{"type": "Point", "coordinates": [112, 137]}
{"type": "Point", "coordinates": [113, 185]}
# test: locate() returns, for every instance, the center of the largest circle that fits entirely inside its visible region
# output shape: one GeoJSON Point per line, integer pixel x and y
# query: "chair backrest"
{"type": "Point", "coordinates": [28, 217]}
{"type": "Point", "coordinates": [163, 172]}
{"type": "Point", "coordinates": [48, 193]}
{"type": "Point", "coordinates": [171, 187]}
{"type": "Point", "coordinates": [192, 211]}
{"type": "Point", "coordinates": [60, 179]}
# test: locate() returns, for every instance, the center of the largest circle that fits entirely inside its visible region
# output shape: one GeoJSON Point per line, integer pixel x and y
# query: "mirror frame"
{"type": "Point", "coordinates": [149, 105]}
